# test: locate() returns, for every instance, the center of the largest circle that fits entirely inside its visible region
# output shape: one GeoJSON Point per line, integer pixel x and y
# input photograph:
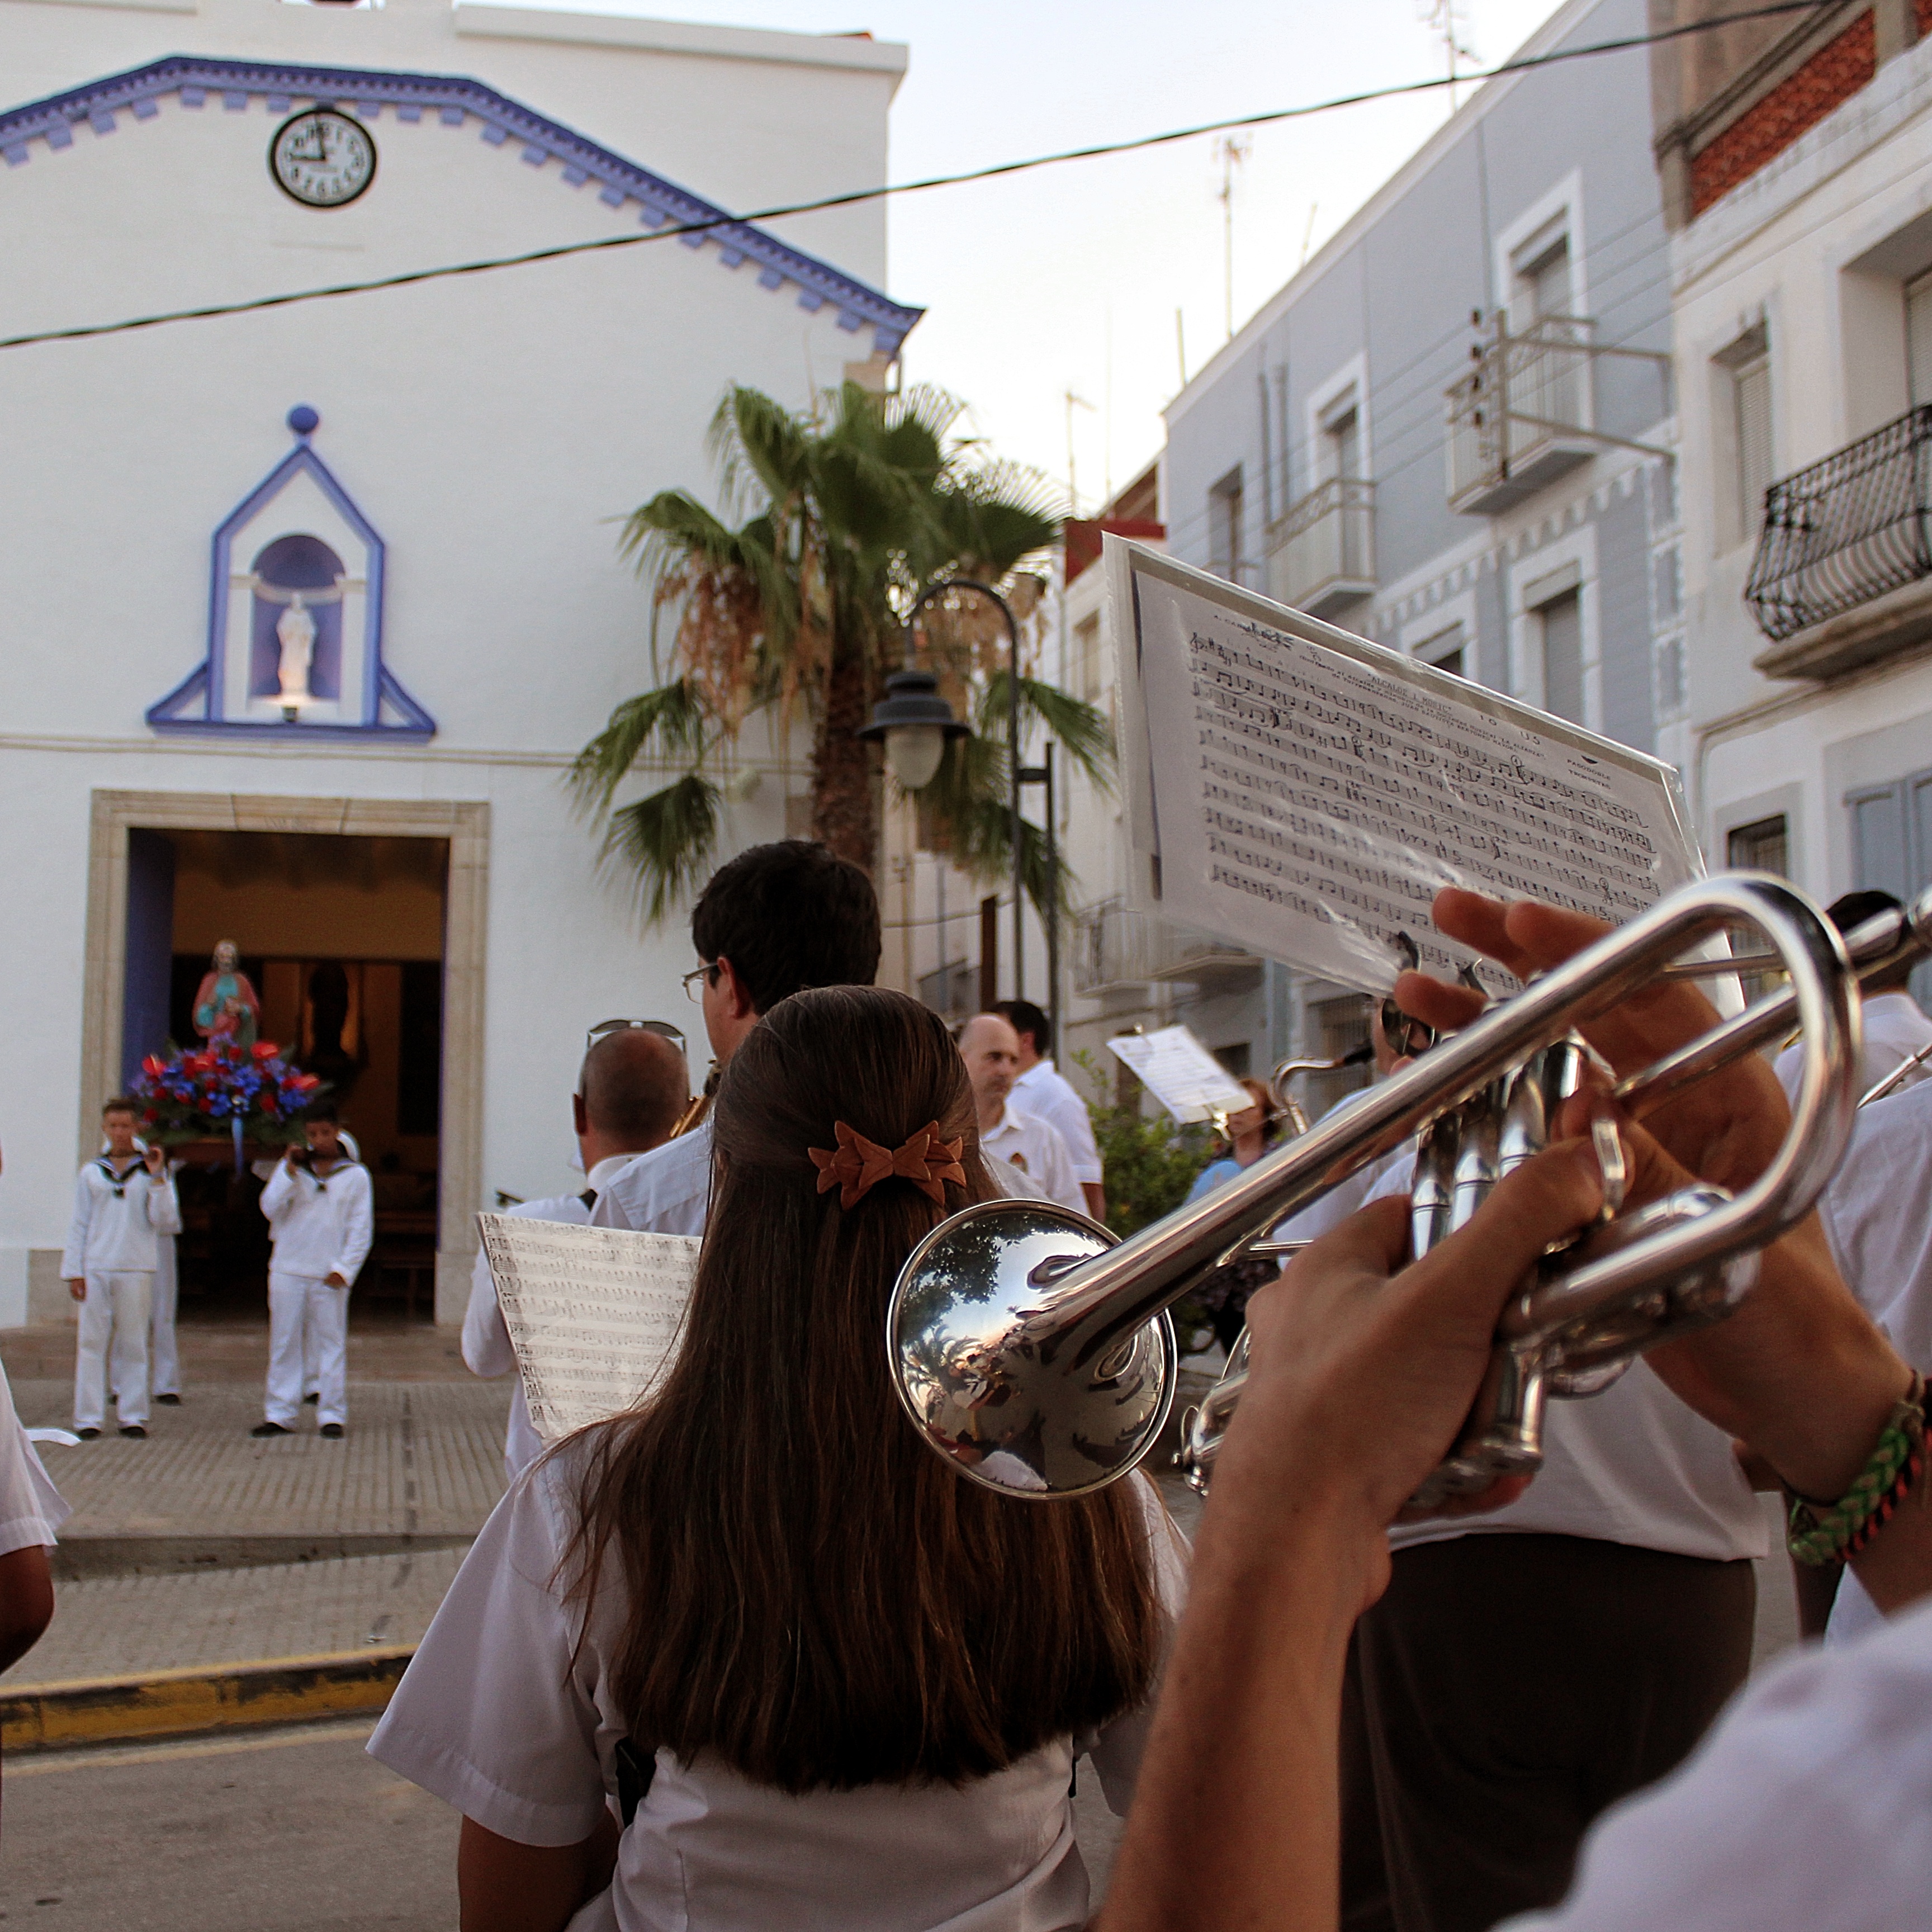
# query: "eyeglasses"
{"type": "Point", "coordinates": [662, 1028]}
{"type": "Point", "coordinates": [697, 979]}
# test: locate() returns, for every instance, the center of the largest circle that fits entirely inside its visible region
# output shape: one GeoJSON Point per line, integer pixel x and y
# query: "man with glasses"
{"type": "Point", "coordinates": [777, 919]}
{"type": "Point", "coordinates": [631, 1092]}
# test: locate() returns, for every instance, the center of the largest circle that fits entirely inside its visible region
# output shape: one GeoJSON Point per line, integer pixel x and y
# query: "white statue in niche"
{"type": "Point", "coordinates": [295, 634]}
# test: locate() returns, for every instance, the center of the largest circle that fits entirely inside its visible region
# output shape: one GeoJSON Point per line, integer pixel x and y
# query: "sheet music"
{"type": "Point", "coordinates": [1306, 793]}
{"type": "Point", "coordinates": [594, 1313]}
{"type": "Point", "coordinates": [1181, 1074]}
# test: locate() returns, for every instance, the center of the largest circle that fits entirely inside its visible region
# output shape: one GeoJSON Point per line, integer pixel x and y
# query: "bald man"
{"type": "Point", "coordinates": [1027, 1155]}
{"type": "Point", "coordinates": [631, 1090]}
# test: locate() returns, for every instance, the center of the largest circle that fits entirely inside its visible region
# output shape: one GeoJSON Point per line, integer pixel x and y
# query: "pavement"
{"type": "Point", "coordinates": [202, 1547]}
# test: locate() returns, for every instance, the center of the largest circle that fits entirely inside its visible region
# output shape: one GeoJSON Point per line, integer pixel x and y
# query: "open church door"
{"type": "Point", "coordinates": [149, 951]}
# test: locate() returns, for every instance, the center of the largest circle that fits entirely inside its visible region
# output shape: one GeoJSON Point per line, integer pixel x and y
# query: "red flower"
{"type": "Point", "coordinates": [152, 1066]}
{"type": "Point", "coordinates": [265, 1049]}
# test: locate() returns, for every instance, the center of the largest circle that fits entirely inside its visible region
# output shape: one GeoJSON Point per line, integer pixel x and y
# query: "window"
{"type": "Point", "coordinates": [1892, 845]}
{"type": "Point", "coordinates": [1340, 454]}
{"type": "Point", "coordinates": [1744, 467]}
{"type": "Point", "coordinates": [1224, 526]}
{"type": "Point", "coordinates": [1334, 1027]}
{"type": "Point", "coordinates": [1918, 340]}
{"type": "Point", "coordinates": [1234, 1059]}
{"type": "Point", "coordinates": [1091, 675]}
{"type": "Point", "coordinates": [1542, 272]}
{"type": "Point", "coordinates": [1762, 846]}
{"type": "Point", "coordinates": [1561, 622]}
{"type": "Point", "coordinates": [1444, 650]}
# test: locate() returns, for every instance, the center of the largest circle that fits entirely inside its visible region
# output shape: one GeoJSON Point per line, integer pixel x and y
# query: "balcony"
{"type": "Point", "coordinates": [1118, 947]}
{"type": "Point", "coordinates": [1521, 417]}
{"type": "Point", "coordinates": [1841, 578]}
{"type": "Point", "coordinates": [1322, 551]}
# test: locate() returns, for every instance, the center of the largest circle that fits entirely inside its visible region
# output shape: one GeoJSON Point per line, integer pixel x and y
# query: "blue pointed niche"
{"type": "Point", "coordinates": [294, 617]}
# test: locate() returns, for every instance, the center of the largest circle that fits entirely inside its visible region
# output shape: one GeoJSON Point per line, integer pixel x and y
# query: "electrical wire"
{"type": "Point", "coordinates": [1526, 65]}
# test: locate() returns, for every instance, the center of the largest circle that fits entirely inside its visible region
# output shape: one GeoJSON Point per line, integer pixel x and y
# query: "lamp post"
{"type": "Point", "coordinates": [937, 724]}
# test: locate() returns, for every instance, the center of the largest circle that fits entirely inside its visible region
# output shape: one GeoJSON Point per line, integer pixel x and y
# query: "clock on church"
{"type": "Point", "coordinates": [321, 158]}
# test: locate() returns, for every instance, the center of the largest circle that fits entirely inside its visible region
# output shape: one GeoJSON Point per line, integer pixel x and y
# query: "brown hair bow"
{"type": "Point", "coordinates": [858, 1164]}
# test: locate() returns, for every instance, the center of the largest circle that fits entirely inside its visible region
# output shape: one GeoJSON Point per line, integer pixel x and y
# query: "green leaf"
{"type": "Point", "coordinates": [668, 840]}
{"type": "Point", "coordinates": [671, 714]}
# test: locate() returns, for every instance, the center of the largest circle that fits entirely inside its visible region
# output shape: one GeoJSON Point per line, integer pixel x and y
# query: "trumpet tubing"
{"type": "Point", "coordinates": [1035, 1354]}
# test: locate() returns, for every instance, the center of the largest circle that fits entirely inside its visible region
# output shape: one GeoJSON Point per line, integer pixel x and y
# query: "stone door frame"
{"type": "Point", "coordinates": [464, 824]}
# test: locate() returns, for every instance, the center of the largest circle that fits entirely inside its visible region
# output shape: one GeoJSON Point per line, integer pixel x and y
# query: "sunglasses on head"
{"type": "Point", "coordinates": [662, 1028]}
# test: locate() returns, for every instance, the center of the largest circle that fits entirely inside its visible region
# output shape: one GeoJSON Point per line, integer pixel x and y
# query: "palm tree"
{"type": "Point", "coordinates": [853, 509]}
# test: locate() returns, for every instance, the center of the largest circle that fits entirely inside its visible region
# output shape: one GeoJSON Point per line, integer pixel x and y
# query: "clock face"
{"type": "Point", "coordinates": [322, 158]}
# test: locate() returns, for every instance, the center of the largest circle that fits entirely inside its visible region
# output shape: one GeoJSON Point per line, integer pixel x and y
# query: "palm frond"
{"type": "Point", "coordinates": [667, 841]}
{"type": "Point", "coordinates": [671, 714]}
{"type": "Point", "coordinates": [1083, 730]}
{"type": "Point", "coordinates": [754, 439]}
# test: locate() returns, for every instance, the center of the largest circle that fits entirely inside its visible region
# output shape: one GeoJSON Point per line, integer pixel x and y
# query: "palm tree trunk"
{"type": "Point", "coordinates": [844, 804]}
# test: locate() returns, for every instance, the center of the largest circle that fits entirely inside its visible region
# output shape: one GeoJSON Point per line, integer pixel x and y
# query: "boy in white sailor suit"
{"type": "Point", "coordinates": [122, 1201]}
{"type": "Point", "coordinates": [321, 1214]}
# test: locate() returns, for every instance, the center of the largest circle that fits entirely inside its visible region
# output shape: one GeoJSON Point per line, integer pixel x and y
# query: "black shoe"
{"type": "Point", "coordinates": [269, 1428]}
{"type": "Point", "coordinates": [87, 1435]}
{"type": "Point", "coordinates": [172, 1401]}
{"type": "Point", "coordinates": [309, 1401]}
{"type": "Point", "coordinates": [135, 1429]}
{"type": "Point", "coordinates": [333, 1430]}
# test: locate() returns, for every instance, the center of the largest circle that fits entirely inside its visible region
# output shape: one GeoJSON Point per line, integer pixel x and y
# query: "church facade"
{"type": "Point", "coordinates": [309, 604]}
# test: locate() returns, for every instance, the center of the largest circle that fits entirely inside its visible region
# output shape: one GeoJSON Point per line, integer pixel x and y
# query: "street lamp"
{"type": "Point", "coordinates": [914, 722]}
{"type": "Point", "coordinates": [883, 726]}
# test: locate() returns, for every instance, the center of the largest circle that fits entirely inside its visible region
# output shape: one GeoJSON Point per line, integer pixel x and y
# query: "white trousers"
{"type": "Point", "coordinates": [113, 1320]}
{"type": "Point", "coordinates": [306, 1316]}
{"type": "Point", "coordinates": [164, 1359]}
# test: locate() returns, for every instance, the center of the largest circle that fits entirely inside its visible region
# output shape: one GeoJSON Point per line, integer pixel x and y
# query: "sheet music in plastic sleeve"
{"type": "Point", "coordinates": [594, 1313]}
{"type": "Point", "coordinates": [1306, 793]}
{"type": "Point", "coordinates": [1181, 1074]}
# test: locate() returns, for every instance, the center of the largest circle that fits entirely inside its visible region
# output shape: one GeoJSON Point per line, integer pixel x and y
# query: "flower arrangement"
{"type": "Point", "coordinates": [245, 1092]}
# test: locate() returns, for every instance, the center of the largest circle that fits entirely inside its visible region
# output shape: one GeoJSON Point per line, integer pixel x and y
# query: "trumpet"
{"type": "Point", "coordinates": [1035, 1354]}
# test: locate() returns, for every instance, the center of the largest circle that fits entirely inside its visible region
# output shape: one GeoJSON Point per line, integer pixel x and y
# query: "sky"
{"type": "Point", "coordinates": [1069, 279]}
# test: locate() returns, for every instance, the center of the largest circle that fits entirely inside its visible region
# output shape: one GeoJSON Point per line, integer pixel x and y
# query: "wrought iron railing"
{"type": "Point", "coordinates": [1526, 393]}
{"type": "Point", "coordinates": [1324, 547]}
{"type": "Point", "coordinates": [1117, 945]}
{"type": "Point", "coordinates": [1846, 530]}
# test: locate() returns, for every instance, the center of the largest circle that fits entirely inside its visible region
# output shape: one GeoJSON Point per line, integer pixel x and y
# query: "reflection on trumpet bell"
{"type": "Point", "coordinates": [1020, 1330]}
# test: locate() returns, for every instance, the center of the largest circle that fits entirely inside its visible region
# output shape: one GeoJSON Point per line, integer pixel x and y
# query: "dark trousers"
{"type": "Point", "coordinates": [1504, 1690]}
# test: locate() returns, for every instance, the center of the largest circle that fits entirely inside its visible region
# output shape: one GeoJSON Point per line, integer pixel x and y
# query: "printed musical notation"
{"type": "Point", "coordinates": [1309, 800]}
{"type": "Point", "coordinates": [1181, 1074]}
{"type": "Point", "coordinates": [594, 1313]}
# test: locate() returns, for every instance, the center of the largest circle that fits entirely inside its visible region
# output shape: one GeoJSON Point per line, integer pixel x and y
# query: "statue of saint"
{"type": "Point", "coordinates": [295, 631]}
{"type": "Point", "coordinates": [226, 1013]}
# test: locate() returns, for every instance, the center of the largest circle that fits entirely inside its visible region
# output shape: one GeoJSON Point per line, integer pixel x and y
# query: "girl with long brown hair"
{"type": "Point", "coordinates": [828, 1682]}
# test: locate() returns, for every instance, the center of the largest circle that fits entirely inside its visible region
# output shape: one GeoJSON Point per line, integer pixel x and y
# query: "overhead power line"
{"type": "Point", "coordinates": [1528, 64]}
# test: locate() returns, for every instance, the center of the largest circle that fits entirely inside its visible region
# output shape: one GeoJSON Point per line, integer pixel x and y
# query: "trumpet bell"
{"type": "Point", "coordinates": [1013, 1409]}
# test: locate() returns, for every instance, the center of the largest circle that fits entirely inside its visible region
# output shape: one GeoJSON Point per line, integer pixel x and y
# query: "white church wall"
{"type": "Point", "coordinates": [494, 430]}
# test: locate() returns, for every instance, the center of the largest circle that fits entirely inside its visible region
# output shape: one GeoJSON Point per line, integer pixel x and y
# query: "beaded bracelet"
{"type": "Point", "coordinates": [1817, 1533]}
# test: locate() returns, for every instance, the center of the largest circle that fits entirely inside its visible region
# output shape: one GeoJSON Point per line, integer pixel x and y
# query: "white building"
{"type": "Point", "coordinates": [1799, 175]}
{"type": "Point", "coordinates": [431, 474]}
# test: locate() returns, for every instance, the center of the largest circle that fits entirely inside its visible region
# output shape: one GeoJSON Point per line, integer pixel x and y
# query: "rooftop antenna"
{"type": "Point", "coordinates": [1231, 151]}
{"type": "Point", "coordinates": [1448, 21]}
{"type": "Point", "coordinates": [1073, 402]}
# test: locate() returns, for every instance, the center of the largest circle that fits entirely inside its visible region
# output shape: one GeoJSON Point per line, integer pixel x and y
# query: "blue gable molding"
{"type": "Point", "coordinates": [366, 92]}
{"type": "Point", "coordinates": [195, 705]}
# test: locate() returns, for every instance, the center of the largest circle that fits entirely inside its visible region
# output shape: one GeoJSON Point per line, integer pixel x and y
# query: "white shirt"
{"type": "Point", "coordinates": [1048, 1095]}
{"type": "Point", "coordinates": [1633, 1465]}
{"type": "Point", "coordinates": [665, 1192]}
{"type": "Point", "coordinates": [1807, 1808]}
{"type": "Point", "coordinates": [1895, 1029]}
{"type": "Point", "coordinates": [1033, 1149]}
{"type": "Point", "coordinates": [31, 1508]}
{"type": "Point", "coordinates": [486, 1335]}
{"type": "Point", "coordinates": [1877, 1218]}
{"type": "Point", "coordinates": [503, 1715]}
{"type": "Point", "coordinates": [321, 1224]}
{"type": "Point", "coordinates": [116, 1216]}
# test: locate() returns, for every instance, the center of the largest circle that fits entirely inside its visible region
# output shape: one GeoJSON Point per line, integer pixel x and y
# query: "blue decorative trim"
{"type": "Point", "coordinates": [195, 704]}
{"type": "Point", "coordinates": [456, 99]}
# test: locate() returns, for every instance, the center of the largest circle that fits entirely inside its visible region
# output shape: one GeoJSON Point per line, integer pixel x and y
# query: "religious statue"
{"type": "Point", "coordinates": [295, 631]}
{"type": "Point", "coordinates": [227, 1012]}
